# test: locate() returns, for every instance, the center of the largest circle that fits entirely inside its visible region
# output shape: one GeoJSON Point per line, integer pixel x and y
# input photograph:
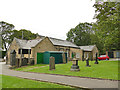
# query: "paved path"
{"type": "Point", "coordinates": [1, 59]}
{"type": "Point", "coordinates": [74, 81]}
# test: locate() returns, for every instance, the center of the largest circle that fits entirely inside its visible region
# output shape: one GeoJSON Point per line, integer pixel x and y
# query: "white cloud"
{"type": "Point", "coordinates": [47, 17]}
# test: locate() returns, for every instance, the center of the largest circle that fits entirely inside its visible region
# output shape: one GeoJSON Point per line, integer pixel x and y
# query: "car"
{"type": "Point", "coordinates": [103, 57]}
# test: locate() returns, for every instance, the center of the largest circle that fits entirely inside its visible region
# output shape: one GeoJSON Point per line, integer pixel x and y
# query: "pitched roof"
{"type": "Point", "coordinates": [60, 42]}
{"type": "Point", "coordinates": [27, 44]}
{"type": "Point", "coordinates": [87, 48]}
{"type": "Point", "coordinates": [21, 42]}
{"type": "Point", "coordinates": [32, 43]}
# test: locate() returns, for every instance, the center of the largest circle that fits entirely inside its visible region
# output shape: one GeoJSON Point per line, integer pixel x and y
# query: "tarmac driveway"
{"type": "Point", "coordinates": [73, 81]}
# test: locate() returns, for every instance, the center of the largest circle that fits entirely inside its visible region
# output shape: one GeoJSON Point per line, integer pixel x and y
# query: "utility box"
{"type": "Point", "coordinates": [58, 55]}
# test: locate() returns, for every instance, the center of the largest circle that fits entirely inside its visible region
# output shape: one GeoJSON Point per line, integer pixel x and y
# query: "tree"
{"type": "Point", "coordinates": [80, 35]}
{"type": "Point", "coordinates": [107, 26]}
{"type": "Point", "coordinates": [27, 35]}
{"type": "Point", "coordinates": [105, 32]}
{"type": "Point", "coordinates": [5, 33]}
{"type": "Point", "coordinates": [96, 39]}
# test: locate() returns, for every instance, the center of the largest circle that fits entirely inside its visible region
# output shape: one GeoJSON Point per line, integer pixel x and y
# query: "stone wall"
{"type": "Point", "coordinates": [26, 55]}
{"type": "Point", "coordinates": [91, 53]}
{"type": "Point", "coordinates": [70, 50]}
{"type": "Point", "coordinates": [87, 53]}
{"type": "Point", "coordinates": [13, 46]}
{"type": "Point", "coordinates": [44, 45]}
{"type": "Point", "coordinates": [114, 53]}
{"type": "Point", "coordinates": [64, 49]}
{"type": "Point", "coordinates": [94, 51]}
{"type": "Point", "coordinates": [78, 51]}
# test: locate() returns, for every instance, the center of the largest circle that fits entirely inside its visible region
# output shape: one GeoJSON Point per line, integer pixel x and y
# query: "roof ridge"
{"type": "Point", "coordinates": [20, 39]}
{"type": "Point", "coordinates": [62, 40]}
{"type": "Point", "coordinates": [27, 40]}
{"type": "Point", "coordinates": [56, 38]}
{"type": "Point", "coordinates": [35, 39]}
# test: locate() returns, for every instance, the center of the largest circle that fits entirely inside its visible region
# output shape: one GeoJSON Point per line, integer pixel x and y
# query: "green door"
{"type": "Point", "coordinates": [39, 58]}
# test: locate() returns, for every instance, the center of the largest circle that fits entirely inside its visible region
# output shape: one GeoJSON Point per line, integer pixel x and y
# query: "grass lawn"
{"type": "Point", "coordinates": [15, 82]}
{"type": "Point", "coordinates": [0, 81]}
{"type": "Point", "coordinates": [29, 67]}
{"type": "Point", "coordinates": [105, 70]}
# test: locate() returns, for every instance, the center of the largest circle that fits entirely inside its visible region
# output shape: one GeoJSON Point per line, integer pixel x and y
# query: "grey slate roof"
{"type": "Point", "coordinates": [27, 44]}
{"type": "Point", "coordinates": [87, 48]}
{"type": "Point", "coordinates": [32, 43]}
{"type": "Point", "coordinates": [60, 42]}
{"type": "Point", "coordinates": [20, 42]}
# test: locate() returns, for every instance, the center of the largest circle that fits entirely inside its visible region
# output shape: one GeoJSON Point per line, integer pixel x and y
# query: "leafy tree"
{"type": "Point", "coordinates": [80, 35]}
{"type": "Point", "coordinates": [108, 24]}
{"type": "Point", "coordinates": [5, 33]}
{"type": "Point", "coordinates": [27, 35]}
{"type": "Point", "coordinates": [96, 39]}
{"type": "Point", "coordinates": [105, 32]}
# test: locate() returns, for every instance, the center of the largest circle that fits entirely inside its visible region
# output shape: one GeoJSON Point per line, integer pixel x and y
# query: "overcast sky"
{"type": "Point", "coordinates": [52, 18]}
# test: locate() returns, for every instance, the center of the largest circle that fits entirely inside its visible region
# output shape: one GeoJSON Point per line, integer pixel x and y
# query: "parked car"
{"type": "Point", "coordinates": [103, 57]}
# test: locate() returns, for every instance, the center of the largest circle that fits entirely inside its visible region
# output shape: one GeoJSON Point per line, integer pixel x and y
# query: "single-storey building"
{"type": "Point", "coordinates": [113, 53]}
{"type": "Point", "coordinates": [31, 48]}
{"type": "Point", "coordinates": [89, 50]}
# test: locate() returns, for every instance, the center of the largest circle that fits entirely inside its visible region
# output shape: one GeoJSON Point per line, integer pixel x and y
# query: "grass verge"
{"type": "Point", "coordinates": [15, 82]}
{"type": "Point", "coordinates": [104, 70]}
{"type": "Point", "coordinates": [29, 67]}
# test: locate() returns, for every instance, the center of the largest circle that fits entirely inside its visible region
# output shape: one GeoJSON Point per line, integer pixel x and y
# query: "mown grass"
{"type": "Point", "coordinates": [15, 82]}
{"type": "Point", "coordinates": [29, 67]}
{"type": "Point", "coordinates": [0, 81]}
{"type": "Point", "coordinates": [104, 70]}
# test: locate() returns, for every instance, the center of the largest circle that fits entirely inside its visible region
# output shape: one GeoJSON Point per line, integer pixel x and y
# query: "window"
{"type": "Point", "coordinates": [77, 55]}
{"type": "Point", "coordinates": [24, 51]}
{"type": "Point", "coordinates": [103, 56]}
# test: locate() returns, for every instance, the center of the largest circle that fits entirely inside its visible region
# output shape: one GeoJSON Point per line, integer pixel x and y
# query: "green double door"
{"type": "Point", "coordinates": [39, 58]}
